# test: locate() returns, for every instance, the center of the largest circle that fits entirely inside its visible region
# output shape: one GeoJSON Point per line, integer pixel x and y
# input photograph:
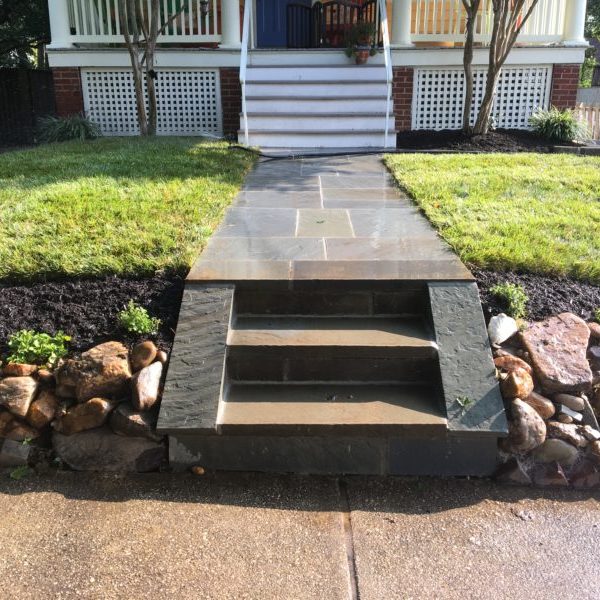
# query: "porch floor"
{"type": "Point", "coordinates": [326, 218]}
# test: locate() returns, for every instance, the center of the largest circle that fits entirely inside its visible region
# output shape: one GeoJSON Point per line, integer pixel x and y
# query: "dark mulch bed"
{"type": "Point", "coordinates": [501, 140]}
{"type": "Point", "coordinates": [87, 309]}
{"type": "Point", "coordinates": [547, 295]}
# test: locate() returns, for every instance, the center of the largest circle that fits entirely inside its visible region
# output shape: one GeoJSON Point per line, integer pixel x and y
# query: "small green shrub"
{"type": "Point", "coordinates": [135, 319]}
{"type": "Point", "coordinates": [559, 125]}
{"type": "Point", "coordinates": [513, 298]}
{"type": "Point", "coordinates": [35, 348]}
{"type": "Point", "coordinates": [63, 129]}
{"type": "Point", "coordinates": [597, 315]}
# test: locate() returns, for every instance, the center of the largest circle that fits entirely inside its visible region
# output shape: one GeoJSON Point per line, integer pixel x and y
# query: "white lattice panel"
{"type": "Point", "coordinates": [438, 96]}
{"type": "Point", "coordinates": [188, 101]}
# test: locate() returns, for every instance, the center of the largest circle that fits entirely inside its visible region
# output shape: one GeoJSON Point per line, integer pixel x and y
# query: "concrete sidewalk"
{"type": "Point", "coordinates": [71, 535]}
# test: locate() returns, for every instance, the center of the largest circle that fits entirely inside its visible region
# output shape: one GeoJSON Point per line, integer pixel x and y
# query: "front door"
{"type": "Point", "coordinates": [271, 22]}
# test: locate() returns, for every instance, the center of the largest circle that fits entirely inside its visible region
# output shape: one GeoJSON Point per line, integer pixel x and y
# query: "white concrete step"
{"type": "Point", "coordinates": [319, 139]}
{"type": "Point", "coordinates": [324, 122]}
{"type": "Point", "coordinates": [326, 73]}
{"type": "Point", "coordinates": [332, 89]}
{"type": "Point", "coordinates": [310, 105]}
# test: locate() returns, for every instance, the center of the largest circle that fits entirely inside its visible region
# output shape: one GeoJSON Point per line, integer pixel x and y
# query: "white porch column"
{"type": "Point", "coordinates": [60, 29]}
{"type": "Point", "coordinates": [401, 16]}
{"type": "Point", "coordinates": [574, 23]}
{"type": "Point", "coordinates": [230, 18]}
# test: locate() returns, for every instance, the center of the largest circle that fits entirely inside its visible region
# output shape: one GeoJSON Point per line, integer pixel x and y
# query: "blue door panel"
{"type": "Point", "coordinates": [271, 22]}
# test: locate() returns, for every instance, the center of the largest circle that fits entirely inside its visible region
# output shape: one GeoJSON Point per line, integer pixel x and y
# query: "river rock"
{"type": "Point", "coordinates": [87, 415]}
{"type": "Point", "coordinates": [566, 419]}
{"type": "Point", "coordinates": [142, 355]}
{"type": "Point", "coordinates": [17, 393]}
{"type": "Point", "coordinates": [584, 475]}
{"type": "Point", "coordinates": [512, 473]}
{"type": "Point", "coordinates": [43, 409]}
{"type": "Point", "coordinates": [508, 362]}
{"type": "Point", "coordinates": [146, 386]}
{"type": "Point", "coordinates": [568, 433]}
{"type": "Point", "coordinates": [550, 474]}
{"type": "Point", "coordinates": [46, 376]}
{"type": "Point", "coordinates": [66, 376]}
{"type": "Point", "coordinates": [526, 430]}
{"type": "Point", "coordinates": [501, 328]}
{"type": "Point", "coordinates": [125, 420]}
{"type": "Point", "coordinates": [102, 450]}
{"type": "Point", "coordinates": [517, 384]}
{"type": "Point", "coordinates": [543, 406]}
{"type": "Point", "coordinates": [162, 356]}
{"type": "Point", "coordinates": [589, 433]}
{"type": "Point", "coordinates": [558, 348]}
{"type": "Point", "coordinates": [18, 370]}
{"type": "Point", "coordinates": [103, 371]}
{"type": "Point", "coordinates": [555, 450]}
{"type": "Point", "coordinates": [572, 402]}
{"type": "Point", "coordinates": [594, 330]}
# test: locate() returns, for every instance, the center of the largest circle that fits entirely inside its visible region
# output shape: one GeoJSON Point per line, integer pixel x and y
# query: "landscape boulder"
{"type": "Point", "coordinates": [125, 420]}
{"type": "Point", "coordinates": [17, 393]}
{"type": "Point", "coordinates": [87, 415]}
{"type": "Point", "coordinates": [103, 371]}
{"type": "Point", "coordinates": [146, 387]}
{"type": "Point", "coordinates": [584, 475]}
{"type": "Point", "coordinates": [557, 347]}
{"type": "Point", "coordinates": [43, 409]}
{"type": "Point", "coordinates": [102, 450]}
{"type": "Point", "coordinates": [569, 433]}
{"type": "Point", "coordinates": [543, 406]}
{"type": "Point", "coordinates": [517, 384]}
{"type": "Point", "coordinates": [501, 328]}
{"type": "Point", "coordinates": [526, 430]}
{"type": "Point", "coordinates": [555, 450]}
{"type": "Point", "coordinates": [550, 474]}
{"type": "Point", "coordinates": [18, 370]}
{"type": "Point", "coordinates": [143, 355]}
{"type": "Point", "coordinates": [509, 362]}
{"type": "Point", "coordinates": [512, 473]}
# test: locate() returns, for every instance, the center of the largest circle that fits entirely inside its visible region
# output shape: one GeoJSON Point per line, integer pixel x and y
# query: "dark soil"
{"type": "Point", "coordinates": [547, 295]}
{"type": "Point", "coordinates": [502, 140]}
{"type": "Point", "coordinates": [87, 309]}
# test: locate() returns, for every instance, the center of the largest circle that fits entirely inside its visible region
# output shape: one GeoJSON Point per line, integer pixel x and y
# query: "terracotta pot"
{"type": "Point", "coordinates": [362, 56]}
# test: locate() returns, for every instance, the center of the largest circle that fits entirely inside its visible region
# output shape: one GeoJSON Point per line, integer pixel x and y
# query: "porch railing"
{"type": "Point", "coordinates": [590, 115]}
{"type": "Point", "coordinates": [389, 71]}
{"type": "Point", "coordinates": [98, 22]}
{"type": "Point", "coordinates": [445, 21]}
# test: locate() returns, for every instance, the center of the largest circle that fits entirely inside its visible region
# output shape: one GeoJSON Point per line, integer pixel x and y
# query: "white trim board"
{"type": "Point", "coordinates": [405, 57]}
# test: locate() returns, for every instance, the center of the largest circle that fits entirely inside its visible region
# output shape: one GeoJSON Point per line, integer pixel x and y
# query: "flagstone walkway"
{"type": "Point", "coordinates": [333, 218]}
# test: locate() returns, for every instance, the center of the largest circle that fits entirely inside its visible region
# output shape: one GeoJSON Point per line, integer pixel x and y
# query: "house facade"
{"type": "Point", "coordinates": [274, 74]}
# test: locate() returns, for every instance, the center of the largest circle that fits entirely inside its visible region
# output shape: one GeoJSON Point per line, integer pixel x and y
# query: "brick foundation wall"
{"type": "Point", "coordinates": [67, 91]}
{"type": "Point", "coordinates": [565, 80]}
{"type": "Point", "coordinates": [402, 92]}
{"type": "Point", "coordinates": [231, 99]}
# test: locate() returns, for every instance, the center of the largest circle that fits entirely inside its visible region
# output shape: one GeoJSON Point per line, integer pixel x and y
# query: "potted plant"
{"type": "Point", "coordinates": [359, 42]}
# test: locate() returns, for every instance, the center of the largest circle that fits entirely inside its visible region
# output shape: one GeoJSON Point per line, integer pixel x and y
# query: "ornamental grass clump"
{"type": "Point", "coordinates": [136, 320]}
{"type": "Point", "coordinates": [513, 298]}
{"type": "Point", "coordinates": [559, 125]}
{"type": "Point", "coordinates": [37, 348]}
{"type": "Point", "coordinates": [63, 129]}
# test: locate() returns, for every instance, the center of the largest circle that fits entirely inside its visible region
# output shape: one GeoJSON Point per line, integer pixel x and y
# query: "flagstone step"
{"type": "Point", "coordinates": [405, 336]}
{"type": "Point", "coordinates": [312, 409]}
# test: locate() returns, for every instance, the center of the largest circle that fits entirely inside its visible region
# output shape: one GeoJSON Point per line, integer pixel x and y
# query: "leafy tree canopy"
{"type": "Point", "coordinates": [23, 26]}
{"type": "Point", "coordinates": [592, 28]}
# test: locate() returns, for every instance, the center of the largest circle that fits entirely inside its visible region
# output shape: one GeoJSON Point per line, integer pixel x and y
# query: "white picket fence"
{"type": "Point", "coordinates": [97, 21]}
{"type": "Point", "coordinates": [590, 114]}
{"type": "Point", "coordinates": [445, 21]}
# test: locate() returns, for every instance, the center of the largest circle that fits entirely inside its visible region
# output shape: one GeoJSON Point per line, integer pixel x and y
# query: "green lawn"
{"type": "Point", "coordinates": [124, 206]}
{"type": "Point", "coordinates": [527, 212]}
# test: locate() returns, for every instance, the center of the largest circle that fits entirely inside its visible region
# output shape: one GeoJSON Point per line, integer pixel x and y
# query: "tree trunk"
{"type": "Point", "coordinates": [150, 72]}
{"type": "Point", "coordinates": [471, 7]}
{"type": "Point", "coordinates": [509, 20]}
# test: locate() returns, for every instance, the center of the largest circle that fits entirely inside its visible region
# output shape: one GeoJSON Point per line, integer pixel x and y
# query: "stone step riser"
{"type": "Point", "coordinates": [302, 122]}
{"type": "Point", "coordinates": [328, 364]}
{"type": "Point", "coordinates": [403, 300]}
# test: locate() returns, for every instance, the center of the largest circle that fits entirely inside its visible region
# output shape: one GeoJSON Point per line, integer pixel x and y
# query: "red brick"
{"type": "Point", "coordinates": [67, 91]}
{"type": "Point", "coordinates": [402, 92]}
{"type": "Point", "coordinates": [565, 81]}
{"type": "Point", "coordinates": [231, 99]}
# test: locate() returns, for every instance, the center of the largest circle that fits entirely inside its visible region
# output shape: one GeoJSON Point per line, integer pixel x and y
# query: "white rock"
{"type": "Point", "coordinates": [501, 328]}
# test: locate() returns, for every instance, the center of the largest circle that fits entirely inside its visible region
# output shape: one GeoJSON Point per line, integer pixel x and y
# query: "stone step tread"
{"type": "Point", "coordinates": [324, 114]}
{"type": "Point", "coordinates": [293, 408]}
{"type": "Point", "coordinates": [339, 331]}
{"type": "Point", "coordinates": [382, 97]}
